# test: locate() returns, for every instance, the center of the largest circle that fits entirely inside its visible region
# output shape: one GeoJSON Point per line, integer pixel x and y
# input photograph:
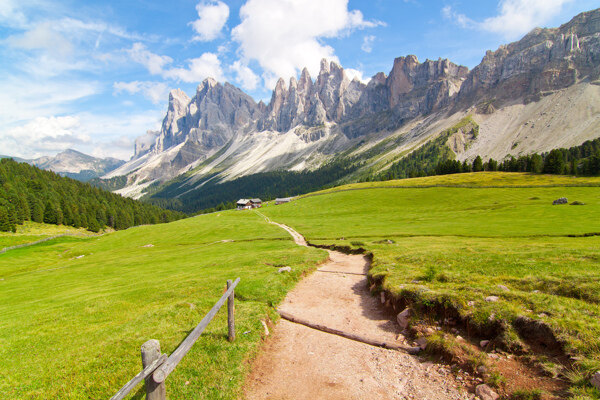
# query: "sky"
{"type": "Point", "coordinates": [93, 75]}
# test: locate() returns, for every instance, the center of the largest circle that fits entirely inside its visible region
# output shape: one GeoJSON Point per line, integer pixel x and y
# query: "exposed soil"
{"type": "Point", "coordinates": [298, 362]}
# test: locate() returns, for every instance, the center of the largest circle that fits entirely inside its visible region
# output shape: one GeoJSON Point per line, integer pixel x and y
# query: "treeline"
{"type": "Point", "coordinates": [583, 160]}
{"type": "Point", "coordinates": [426, 160]}
{"type": "Point", "coordinates": [28, 193]}
{"type": "Point", "coordinates": [214, 196]}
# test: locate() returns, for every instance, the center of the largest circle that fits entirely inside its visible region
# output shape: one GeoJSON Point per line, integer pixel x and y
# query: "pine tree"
{"type": "Point", "coordinates": [477, 164]}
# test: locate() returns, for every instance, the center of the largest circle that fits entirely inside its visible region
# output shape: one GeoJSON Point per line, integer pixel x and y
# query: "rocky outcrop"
{"type": "Point", "coordinates": [209, 120]}
{"type": "Point", "coordinates": [305, 102]}
{"type": "Point", "coordinates": [544, 60]}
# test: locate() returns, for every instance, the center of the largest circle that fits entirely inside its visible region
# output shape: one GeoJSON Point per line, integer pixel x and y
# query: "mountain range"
{"type": "Point", "coordinates": [74, 164]}
{"type": "Point", "coordinates": [533, 95]}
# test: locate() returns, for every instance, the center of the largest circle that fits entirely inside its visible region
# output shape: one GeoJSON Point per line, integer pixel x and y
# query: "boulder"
{"type": "Point", "coordinates": [492, 299]}
{"type": "Point", "coordinates": [484, 343]}
{"type": "Point", "coordinates": [284, 269]}
{"type": "Point", "coordinates": [403, 318]}
{"type": "Point", "coordinates": [562, 200]}
{"type": "Point", "coordinates": [503, 288]}
{"type": "Point", "coordinates": [484, 392]}
{"type": "Point", "coordinates": [595, 380]}
{"type": "Point", "coordinates": [422, 342]}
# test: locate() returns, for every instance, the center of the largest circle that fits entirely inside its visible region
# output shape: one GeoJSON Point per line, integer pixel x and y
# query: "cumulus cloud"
{"type": "Point", "coordinates": [354, 73]}
{"type": "Point", "coordinates": [284, 36]}
{"type": "Point", "coordinates": [367, 44]}
{"type": "Point", "coordinates": [212, 18]}
{"type": "Point", "coordinates": [245, 76]}
{"type": "Point", "coordinates": [205, 66]}
{"type": "Point", "coordinates": [515, 17]}
{"type": "Point", "coordinates": [154, 91]}
{"type": "Point", "coordinates": [43, 135]}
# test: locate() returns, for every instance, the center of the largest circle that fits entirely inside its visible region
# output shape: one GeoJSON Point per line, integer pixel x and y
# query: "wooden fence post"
{"type": "Point", "coordinates": [150, 353]}
{"type": "Point", "coordinates": [230, 313]}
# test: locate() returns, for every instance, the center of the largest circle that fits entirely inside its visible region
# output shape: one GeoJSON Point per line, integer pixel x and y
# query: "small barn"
{"type": "Point", "coordinates": [282, 200]}
{"type": "Point", "coordinates": [244, 204]}
{"type": "Point", "coordinates": [256, 203]}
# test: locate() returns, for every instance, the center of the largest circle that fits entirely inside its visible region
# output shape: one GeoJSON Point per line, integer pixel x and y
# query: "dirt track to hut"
{"type": "Point", "coordinates": [298, 362]}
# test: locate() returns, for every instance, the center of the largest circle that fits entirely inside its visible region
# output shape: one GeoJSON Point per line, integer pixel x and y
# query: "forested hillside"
{"type": "Point", "coordinates": [436, 158]}
{"type": "Point", "coordinates": [266, 185]}
{"type": "Point", "coordinates": [28, 193]}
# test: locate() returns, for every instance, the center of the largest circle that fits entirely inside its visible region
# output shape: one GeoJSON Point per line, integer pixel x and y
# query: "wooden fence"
{"type": "Point", "coordinates": [158, 366]}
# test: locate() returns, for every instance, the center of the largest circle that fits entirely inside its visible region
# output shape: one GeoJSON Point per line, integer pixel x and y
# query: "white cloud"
{"type": "Point", "coordinates": [10, 15]}
{"type": "Point", "coordinates": [367, 44]}
{"type": "Point", "coordinates": [205, 66]}
{"type": "Point", "coordinates": [24, 98]}
{"type": "Point", "coordinates": [42, 37]}
{"type": "Point", "coordinates": [245, 76]}
{"type": "Point", "coordinates": [354, 73]}
{"type": "Point", "coordinates": [515, 17]}
{"type": "Point", "coordinates": [97, 134]}
{"type": "Point", "coordinates": [43, 135]}
{"type": "Point", "coordinates": [153, 62]}
{"type": "Point", "coordinates": [213, 16]}
{"type": "Point", "coordinates": [155, 91]}
{"type": "Point", "coordinates": [284, 36]}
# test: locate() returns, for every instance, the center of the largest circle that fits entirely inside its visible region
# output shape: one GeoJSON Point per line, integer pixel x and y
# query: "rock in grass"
{"type": "Point", "coordinates": [284, 269]}
{"type": "Point", "coordinates": [562, 200]}
{"type": "Point", "coordinates": [503, 288]}
{"type": "Point", "coordinates": [595, 380]}
{"type": "Point", "coordinates": [484, 343]}
{"type": "Point", "coordinates": [492, 299]}
{"type": "Point", "coordinates": [403, 318]}
{"type": "Point", "coordinates": [577, 203]}
{"type": "Point", "coordinates": [484, 392]}
{"type": "Point", "coordinates": [422, 343]}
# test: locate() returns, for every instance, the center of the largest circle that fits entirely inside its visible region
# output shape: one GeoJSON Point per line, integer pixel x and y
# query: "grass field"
{"type": "Point", "coordinates": [71, 327]}
{"type": "Point", "coordinates": [32, 232]}
{"type": "Point", "coordinates": [449, 241]}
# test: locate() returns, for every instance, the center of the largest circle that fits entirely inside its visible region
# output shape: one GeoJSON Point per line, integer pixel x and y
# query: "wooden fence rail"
{"type": "Point", "coordinates": [157, 366]}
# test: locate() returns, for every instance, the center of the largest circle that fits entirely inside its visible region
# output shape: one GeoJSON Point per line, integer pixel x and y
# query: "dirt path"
{"type": "Point", "coordinates": [298, 362]}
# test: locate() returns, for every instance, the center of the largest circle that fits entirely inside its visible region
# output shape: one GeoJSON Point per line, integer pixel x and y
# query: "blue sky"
{"type": "Point", "coordinates": [94, 75]}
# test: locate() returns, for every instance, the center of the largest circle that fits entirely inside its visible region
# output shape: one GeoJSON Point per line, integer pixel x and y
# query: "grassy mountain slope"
{"type": "Point", "coordinates": [443, 244]}
{"type": "Point", "coordinates": [72, 326]}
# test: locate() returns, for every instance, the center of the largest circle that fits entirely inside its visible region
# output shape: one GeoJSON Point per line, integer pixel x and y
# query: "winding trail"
{"type": "Point", "coordinates": [298, 362]}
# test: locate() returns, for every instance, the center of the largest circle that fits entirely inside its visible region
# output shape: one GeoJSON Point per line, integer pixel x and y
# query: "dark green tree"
{"type": "Point", "coordinates": [554, 162]}
{"type": "Point", "coordinates": [477, 164]}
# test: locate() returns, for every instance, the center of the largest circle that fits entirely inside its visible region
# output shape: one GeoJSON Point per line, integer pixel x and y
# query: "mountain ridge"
{"type": "Point", "coordinates": [74, 164]}
{"type": "Point", "coordinates": [222, 133]}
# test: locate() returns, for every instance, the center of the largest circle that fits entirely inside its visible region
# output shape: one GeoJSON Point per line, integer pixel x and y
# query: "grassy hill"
{"type": "Point", "coordinates": [72, 326]}
{"type": "Point", "coordinates": [443, 244]}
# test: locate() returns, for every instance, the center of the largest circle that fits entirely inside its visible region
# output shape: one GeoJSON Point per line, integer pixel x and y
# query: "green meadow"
{"type": "Point", "coordinates": [31, 232]}
{"type": "Point", "coordinates": [75, 310]}
{"type": "Point", "coordinates": [71, 327]}
{"type": "Point", "coordinates": [449, 241]}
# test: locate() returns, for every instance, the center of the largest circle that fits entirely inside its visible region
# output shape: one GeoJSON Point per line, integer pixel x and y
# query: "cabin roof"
{"type": "Point", "coordinates": [256, 200]}
{"type": "Point", "coordinates": [243, 201]}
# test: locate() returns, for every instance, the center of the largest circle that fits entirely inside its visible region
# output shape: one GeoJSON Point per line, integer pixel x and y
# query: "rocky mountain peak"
{"type": "Point", "coordinates": [543, 61]}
